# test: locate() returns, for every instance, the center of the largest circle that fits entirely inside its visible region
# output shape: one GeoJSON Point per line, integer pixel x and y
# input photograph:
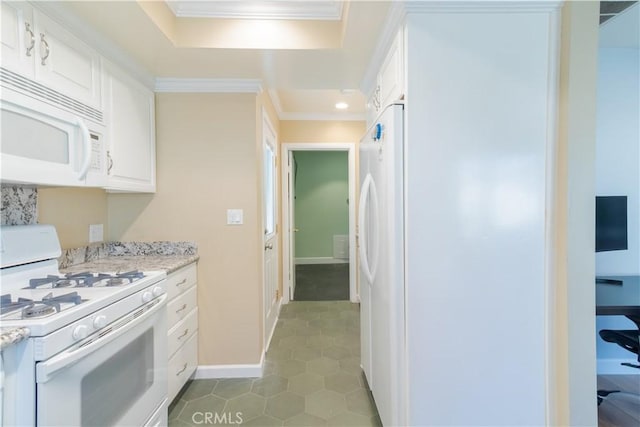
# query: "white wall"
{"type": "Point", "coordinates": [618, 173]}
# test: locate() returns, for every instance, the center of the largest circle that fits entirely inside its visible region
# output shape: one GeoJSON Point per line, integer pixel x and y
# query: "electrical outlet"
{"type": "Point", "coordinates": [96, 233]}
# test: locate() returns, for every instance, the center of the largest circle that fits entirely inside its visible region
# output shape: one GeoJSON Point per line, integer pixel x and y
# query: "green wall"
{"type": "Point", "coordinates": [321, 209]}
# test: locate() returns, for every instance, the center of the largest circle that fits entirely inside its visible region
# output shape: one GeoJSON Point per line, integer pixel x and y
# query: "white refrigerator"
{"type": "Point", "coordinates": [380, 234]}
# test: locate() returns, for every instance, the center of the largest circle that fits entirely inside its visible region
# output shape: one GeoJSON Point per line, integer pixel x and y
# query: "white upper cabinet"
{"type": "Point", "coordinates": [390, 80]}
{"type": "Point", "coordinates": [130, 115]}
{"type": "Point", "coordinates": [39, 49]}
{"type": "Point", "coordinates": [65, 63]}
{"type": "Point", "coordinates": [389, 84]}
{"type": "Point", "coordinates": [18, 38]}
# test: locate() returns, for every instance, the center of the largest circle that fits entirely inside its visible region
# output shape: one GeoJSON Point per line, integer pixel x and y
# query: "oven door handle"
{"type": "Point", "coordinates": [48, 369]}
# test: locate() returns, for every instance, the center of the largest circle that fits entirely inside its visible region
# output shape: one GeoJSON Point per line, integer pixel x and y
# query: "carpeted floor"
{"type": "Point", "coordinates": [322, 282]}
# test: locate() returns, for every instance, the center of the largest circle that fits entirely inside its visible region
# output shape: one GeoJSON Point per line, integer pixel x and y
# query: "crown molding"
{"type": "Point", "coordinates": [307, 10]}
{"type": "Point", "coordinates": [275, 100]}
{"type": "Point", "coordinates": [169, 84]}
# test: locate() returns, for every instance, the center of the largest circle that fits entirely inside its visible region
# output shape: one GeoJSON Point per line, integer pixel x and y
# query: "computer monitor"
{"type": "Point", "coordinates": [611, 223]}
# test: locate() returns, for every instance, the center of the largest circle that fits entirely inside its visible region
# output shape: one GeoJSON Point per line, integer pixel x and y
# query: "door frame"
{"type": "Point", "coordinates": [269, 130]}
{"type": "Point", "coordinates": [288, 263]}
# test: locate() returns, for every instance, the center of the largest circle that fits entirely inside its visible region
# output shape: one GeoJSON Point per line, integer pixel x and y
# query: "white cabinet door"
{"type": "Point", "coordinates": [18, 38]}
{"type": "Point", "coordinates": [35, 47]}
{"type": "Point", "coordinates": [65, 63]}
{"type": "Point", "coordinates": [391, 74]}
{"type": "Point", "coordinates": [131, 116]}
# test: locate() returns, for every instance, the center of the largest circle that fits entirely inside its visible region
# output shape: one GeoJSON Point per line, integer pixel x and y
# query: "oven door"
{"type": "Point", "coordinates": [116, 376]}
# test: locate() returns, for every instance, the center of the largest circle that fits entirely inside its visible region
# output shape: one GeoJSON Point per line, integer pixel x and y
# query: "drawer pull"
{"type": "Point", "coordinates": [184, 307]}
{"type": "Point", "coordinates": [182, 282]}
{"type": "Point", "coordinates": [184, 334]}
{"type": "Point", "coordinates": [184, 368]}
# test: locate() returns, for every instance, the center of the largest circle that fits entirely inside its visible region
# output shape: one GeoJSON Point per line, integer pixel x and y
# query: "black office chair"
{"type": "Point", "coordinates": [627, 339]}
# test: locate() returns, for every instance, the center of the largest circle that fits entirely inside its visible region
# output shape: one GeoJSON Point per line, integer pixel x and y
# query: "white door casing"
{"type": "Point", "coordinates": [288, 218]}
{"type": "Point", "coordinates": [291, 198]}
{"type": "Point", "coordinates": [270, 220]}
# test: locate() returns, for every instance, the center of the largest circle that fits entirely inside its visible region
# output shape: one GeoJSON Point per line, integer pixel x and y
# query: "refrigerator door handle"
{"type": "Point", "coordinates": [368, 194]}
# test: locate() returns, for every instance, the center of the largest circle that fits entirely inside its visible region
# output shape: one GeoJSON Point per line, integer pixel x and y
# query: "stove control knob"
{"type": "Point", "coordinates": [147, 296]}
{"type": "Point", "coordinates": [100, 322]}
{"type": "Point", "coordinates": [157, 291]}
{"type": "Point", "coordinates": [80, 332]}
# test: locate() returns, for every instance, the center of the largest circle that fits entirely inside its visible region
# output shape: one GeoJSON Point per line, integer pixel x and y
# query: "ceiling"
{"type": "Point", "coordinates": [309, 54]}
{"type": "Point", "coordinates": [609, 9]}
{"type": "Point", "coordinates": [622, 28]}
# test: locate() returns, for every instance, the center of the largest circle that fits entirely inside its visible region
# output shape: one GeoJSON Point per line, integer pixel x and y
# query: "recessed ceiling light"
{"type": "Point", "coordinates": [342, 105]}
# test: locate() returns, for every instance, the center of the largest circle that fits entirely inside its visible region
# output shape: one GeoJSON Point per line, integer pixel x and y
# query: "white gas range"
{"type": "Point", "coordinates": [97, 348]}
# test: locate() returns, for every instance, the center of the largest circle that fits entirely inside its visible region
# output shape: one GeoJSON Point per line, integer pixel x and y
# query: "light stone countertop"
{"type": "Point", "coordinates": [168, 263]}
{"type": "Point", "coordinates": [11, 336]}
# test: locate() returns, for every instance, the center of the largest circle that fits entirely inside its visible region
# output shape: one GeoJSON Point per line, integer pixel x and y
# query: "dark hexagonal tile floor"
{"type": "Point", "coordinates": [312, 377]}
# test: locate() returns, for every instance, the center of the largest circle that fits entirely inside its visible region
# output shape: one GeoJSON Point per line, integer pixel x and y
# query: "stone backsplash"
{"type": "Point", "coordinates": [19, 205]}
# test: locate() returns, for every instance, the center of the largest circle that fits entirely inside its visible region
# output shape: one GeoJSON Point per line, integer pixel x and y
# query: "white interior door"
{"type": "Point", "coordinates": [270, 218]}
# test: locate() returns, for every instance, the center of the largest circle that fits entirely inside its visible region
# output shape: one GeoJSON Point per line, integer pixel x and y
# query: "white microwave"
{"type": "Point", "coordinates": [43, 144]}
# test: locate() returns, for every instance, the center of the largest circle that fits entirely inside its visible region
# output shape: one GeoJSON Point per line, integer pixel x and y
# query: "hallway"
{"type": "Point", "coordinates": [312, 377]}
{"type": "Point", "coordinates": [322, 282]}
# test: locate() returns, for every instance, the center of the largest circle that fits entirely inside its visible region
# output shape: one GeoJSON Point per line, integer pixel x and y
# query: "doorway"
{"type": "Point", "coordinates": [318, 188]}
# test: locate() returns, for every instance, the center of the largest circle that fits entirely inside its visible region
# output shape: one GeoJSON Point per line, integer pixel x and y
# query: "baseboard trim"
{"type": "Point", "coordinates": [321, 260]}
{"type": "Point", "coordinates": [230, 371]}
{"type": "Point", "coordinates": [614, 367]}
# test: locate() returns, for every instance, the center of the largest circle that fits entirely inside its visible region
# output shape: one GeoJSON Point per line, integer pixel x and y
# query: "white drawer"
{"type": "Point", "coordinates": [181, 280]}
{"type": "Point", "coordinates": [178, 308]}
{"type": "Point", "coordinates": [182, 365]}
{"type": "Point", "coordinates": [181, 332]}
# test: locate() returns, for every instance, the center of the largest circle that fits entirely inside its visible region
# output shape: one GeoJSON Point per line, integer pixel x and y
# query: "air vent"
{"type": "Point", "coordinates": [43, 93]}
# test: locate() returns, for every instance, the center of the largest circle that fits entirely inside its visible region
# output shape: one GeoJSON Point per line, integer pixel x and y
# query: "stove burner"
{"type": "Point", "coordinates": [7, 305]}
{"type": "Point", "coordinates": [45, 307]}
{"type": "Point", "coordinates": [41, 281]}
{"type": "Point", "coordinates": [37, 310]}
{"type": "Point", "coordinates": [71, 297]}
{"type": "Point", "coordinates": [86, 280]}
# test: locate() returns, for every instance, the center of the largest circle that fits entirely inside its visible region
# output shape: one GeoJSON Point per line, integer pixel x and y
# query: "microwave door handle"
{"type": "Point", "coordinates": [86, 142]}
{"type": "Point", "coordinates": [46, 370]}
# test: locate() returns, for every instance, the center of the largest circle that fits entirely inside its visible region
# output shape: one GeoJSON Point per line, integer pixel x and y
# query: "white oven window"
{"type": "Point", "coordinates": [115, 386]}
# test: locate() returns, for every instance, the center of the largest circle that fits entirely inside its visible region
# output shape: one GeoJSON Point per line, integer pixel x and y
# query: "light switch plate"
{"type": "Point", "coordinates": [234, 216]}
{"type": "Point", "coordinates": [96, 233]}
